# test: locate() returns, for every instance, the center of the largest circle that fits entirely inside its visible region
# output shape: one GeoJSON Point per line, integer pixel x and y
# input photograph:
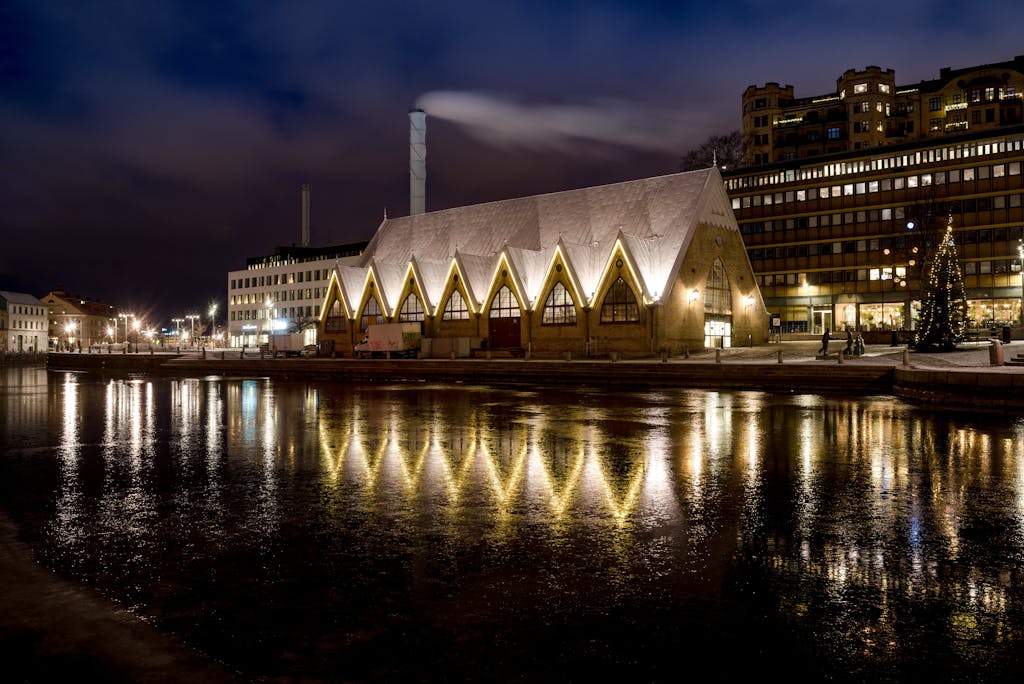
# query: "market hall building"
{"type": "Point", "coordinates": [639, 268]}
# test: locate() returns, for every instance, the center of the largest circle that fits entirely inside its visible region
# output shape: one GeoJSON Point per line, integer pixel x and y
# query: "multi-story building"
{"type": "Point", "coordinates": [869, 109]}
{"type": "Point", "coordinates": [845, 239]}
{"type": "Point", "coordinates": [23, 326]}
{"type": "Point", "coordinates": [282, 291]}
{"type": "Point", "coordinates": [78, 322]}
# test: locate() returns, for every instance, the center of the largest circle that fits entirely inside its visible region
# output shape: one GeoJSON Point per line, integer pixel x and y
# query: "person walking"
{"type": "Point", "coordinates": [849, 341]}
{"type": "Point", "coordinates": [825, 337]}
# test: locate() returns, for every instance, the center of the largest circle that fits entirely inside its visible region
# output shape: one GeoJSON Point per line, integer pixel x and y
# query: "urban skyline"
{"type": "Point", "coordinates": [152, 153]}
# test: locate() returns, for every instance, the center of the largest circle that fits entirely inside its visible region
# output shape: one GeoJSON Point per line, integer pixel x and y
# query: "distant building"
{"type": "Point", "coordinates": [642, 267]}
{"type": "Point", "coordinates": [870, 109]}
{"type": "Point", "coordinates": [23, 323]}
{"type": "Point", "coordinates": [79, 322]}
{"type": "Point", "coordinates": [282, 291]}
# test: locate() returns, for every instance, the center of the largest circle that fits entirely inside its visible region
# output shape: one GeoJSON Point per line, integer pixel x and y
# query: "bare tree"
{"type": "Point", "coordinates": [724, 151]}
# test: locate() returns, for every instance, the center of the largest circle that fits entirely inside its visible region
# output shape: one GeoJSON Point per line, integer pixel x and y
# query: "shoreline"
{"type": "Point", "coordinates": [965, 379]}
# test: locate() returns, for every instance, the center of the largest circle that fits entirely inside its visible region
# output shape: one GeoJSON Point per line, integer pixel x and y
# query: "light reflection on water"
{"type": "Point", "coordinates": [856, 535]}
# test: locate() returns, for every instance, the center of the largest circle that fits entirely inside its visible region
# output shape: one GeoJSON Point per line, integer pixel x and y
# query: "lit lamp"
{"type": "Point", "coordinates": [192, 324]}
{"type": "Point", "coordinates": [1020, 255]}
{"type": "Point", "coordinates": [213, 321]}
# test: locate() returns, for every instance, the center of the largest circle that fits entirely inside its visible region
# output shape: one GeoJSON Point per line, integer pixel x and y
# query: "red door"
{"type": "Point", "coordinates": [503, 333]}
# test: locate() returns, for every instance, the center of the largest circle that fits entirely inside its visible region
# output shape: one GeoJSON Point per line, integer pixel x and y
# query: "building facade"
{"type": "Point", "coordinates": [282, 292]}
{"type": "Point", "coordinates": [846, 239]}
{"type": "Point", "coordinates": [869, 109]}
{"type": "Point", "coordinates": [23, 323]}
{"type": "Point", "coordinates": [639, 268]}
{"type": "Point", "coordinates": [77, 322]}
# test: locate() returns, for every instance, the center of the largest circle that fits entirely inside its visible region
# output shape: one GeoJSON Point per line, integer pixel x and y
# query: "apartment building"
{"type": "Point", "coordinates": [869, 109]}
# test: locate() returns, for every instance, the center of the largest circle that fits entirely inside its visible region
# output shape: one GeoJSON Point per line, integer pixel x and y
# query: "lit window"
{"type": "Point", "coordinates": [504, 304]}
{"type": "Point", "coordinates": [371, 314]}
{"type": "Point", "coordinates": [717, 295]}
{"type": "Point", "coordinates": [559, 308]}
{"type": "Point", "coordinates": [860, 88]}
{"type": "Point", "coordinates": [620, 304]}
{"type": "Point", "coordinates": [455, 308]}
{"type": "Point", "coordinates": [412, 310]}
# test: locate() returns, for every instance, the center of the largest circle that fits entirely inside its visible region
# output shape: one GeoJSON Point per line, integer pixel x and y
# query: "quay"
{"type": "Point", "coordinates": [969, 378]}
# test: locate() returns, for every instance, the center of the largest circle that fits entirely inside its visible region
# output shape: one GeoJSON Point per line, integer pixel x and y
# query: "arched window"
{"type": "Point", "coordinates": [717, 296]}
{"type": "Point", "coordinates": [559, 309]}
{"type": "Point", "coordinates": [455, 308]}
{"type": "Point", "coordinates": [620, 304]}
{"type": "Point", "coordinates": [412, 310]}
{"type": "Point", "coordinates": [371, 314]}
{"type": "Point", "coordinates": [335, 318]}
{"type": "Point", "coordinates": [504, 304]}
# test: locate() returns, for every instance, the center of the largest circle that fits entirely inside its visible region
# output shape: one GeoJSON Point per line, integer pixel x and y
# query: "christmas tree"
{"type": "Point", "coordinates": [944, 310]}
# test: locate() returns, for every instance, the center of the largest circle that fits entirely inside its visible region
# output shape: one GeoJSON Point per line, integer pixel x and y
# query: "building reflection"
{"type": "Point", "coordinates": [829, 499]}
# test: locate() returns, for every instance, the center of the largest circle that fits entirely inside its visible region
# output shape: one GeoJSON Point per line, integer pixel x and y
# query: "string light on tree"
{"type": "Point", "coordinates": [944, 310]}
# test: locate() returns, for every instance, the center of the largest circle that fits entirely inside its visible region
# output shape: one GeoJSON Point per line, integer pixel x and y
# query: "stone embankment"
{"type": "Point", "coordinates": [967, 379]}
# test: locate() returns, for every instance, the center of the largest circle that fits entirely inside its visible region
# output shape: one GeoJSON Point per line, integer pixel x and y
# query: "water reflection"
{"type": "Point", "coordinates": [869, 531]}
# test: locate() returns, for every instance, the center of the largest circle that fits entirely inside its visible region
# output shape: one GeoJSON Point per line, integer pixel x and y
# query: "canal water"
{"type": "Point", "coordinates": [321, 532]}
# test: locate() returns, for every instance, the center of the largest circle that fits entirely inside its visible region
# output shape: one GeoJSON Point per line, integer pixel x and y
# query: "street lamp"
{"type": "Point", "coordinates": [1020, 255]}
{"type": "Point", "coordinates": [192, 321]}
{"type": "Point", "coordinates": [213, 321]}
{"type": "Point", "coordinates": [125, 316]}
{"type": "Point", "coordinates": [270, 305]}
{"type": "Point", "coordinates": [177, 330]}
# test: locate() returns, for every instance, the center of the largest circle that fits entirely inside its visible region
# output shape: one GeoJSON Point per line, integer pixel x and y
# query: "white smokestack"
{"type": "Point", "coordinates": [417, 161]}
{"type": "Point", "coordinates": [305, 214]}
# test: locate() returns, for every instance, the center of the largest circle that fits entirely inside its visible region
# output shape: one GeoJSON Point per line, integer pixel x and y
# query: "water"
{"type": "Point", "coordinates": [416, 532]}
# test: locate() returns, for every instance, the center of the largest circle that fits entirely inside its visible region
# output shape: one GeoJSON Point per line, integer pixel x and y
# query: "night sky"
{"type": "Point", "coordinates": [147, 148]}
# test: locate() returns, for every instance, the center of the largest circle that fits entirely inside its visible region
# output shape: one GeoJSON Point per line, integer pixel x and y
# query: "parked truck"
{"type": "Point", "coordinates": [286, 344]}
{"type": "Point", "coordinates": [390, 339]}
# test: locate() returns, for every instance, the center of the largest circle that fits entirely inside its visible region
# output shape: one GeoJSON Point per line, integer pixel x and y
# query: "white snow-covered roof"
{"type": "Point", "coordinates": [651, 220]}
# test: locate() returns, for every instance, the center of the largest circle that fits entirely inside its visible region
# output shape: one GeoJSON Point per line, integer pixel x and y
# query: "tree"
{"type": "Point", "coordinates": [944, 310]}
{"type": "Point", "coordinates": [725, 151]}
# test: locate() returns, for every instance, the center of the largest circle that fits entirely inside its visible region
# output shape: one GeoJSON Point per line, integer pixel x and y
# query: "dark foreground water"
{"type": "Point", "coordinates": [305, 532]}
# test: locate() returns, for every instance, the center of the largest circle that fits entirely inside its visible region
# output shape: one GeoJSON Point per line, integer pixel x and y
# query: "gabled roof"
{"type": "Point", "coordinates": [19, 298]}
{"type": "Point", "coordinates": [653, 219]}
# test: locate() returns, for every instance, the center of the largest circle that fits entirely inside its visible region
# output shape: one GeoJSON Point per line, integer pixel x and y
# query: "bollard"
{"type": "Point", "coordinates": [906, 357]}
{"type": "Point", "coordinates": [686, 352]}
{"type": "Point", "coordinates": [840, 356]}
{"type": "Point", "coordinates": [718, 355]}
{"type": "Point", "coordinates": [664, 356]}
{"type": "Point", "coordinates": [780, 356]}
{"type": "Point", "coordinates": [241, 354]}
{"type": "Point", "coordinates": [614, 356]}
{"type": "Point", "coordinates": [204, 352]}
{"type": "Point", "coordinates": [451, 355]}
{"type": "Point", "coordinates": [221, 354]}
{"type": "Point", "coordinates": [568, 356]}
{"type": "Point", "coordinates": [488, 354]}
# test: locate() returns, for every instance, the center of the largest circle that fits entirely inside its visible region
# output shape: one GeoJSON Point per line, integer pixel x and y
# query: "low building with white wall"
{"type": "Point", "coordinates": [23, 323]}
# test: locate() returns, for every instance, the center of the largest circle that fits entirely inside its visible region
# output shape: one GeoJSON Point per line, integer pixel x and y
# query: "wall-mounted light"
{"type": "Point", "coordinates": [748, 301]}
{"type": "Point", "coordinates": [694, 294]}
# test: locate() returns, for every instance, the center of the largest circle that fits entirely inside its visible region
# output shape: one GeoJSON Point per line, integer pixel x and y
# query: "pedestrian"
{"type": "Point", "coordinates": [849, 341]}
{"type": "Point", "coordinates": [825, 337]}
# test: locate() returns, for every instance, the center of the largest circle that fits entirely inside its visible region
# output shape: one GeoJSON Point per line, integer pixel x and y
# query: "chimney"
{"type": "Point", "coordinates": [305, 214]}
{"type": "Point", "coordinates": [417, 161]}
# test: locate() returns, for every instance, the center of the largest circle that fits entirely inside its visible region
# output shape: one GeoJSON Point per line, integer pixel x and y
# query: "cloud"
{"type": "Point", "coordinates": [503, 121]}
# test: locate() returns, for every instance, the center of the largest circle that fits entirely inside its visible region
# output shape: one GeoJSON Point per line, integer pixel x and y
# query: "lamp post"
{"type": "Point", "coordinates": [1020, 255]}
{"type": "Point", "coordinates": [270, 306]}
{"type": "Point", "coordinates": [125, 317]}
{"type": "Point", "coordinates": [192, 320]}
{"type": "Point", "coordinates": [177, 330]}
{"type": "Point", "coordinates": [213, 321]}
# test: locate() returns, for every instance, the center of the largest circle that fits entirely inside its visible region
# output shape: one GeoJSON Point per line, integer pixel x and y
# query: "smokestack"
{"type": "Point", "coordinates": [305, 214]}
{"type": "Point", "coordinates": [417, 161]}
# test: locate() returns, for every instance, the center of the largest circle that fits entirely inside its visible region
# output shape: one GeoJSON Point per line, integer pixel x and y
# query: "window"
{"type": "Point", "coordinates": [934, 104]}
{"type": "Point", "coordinates": [860, 88]}
{"type": "Point", "coordinates": [833, 133]}
{"type": "Point", "coordinates": [559, 308]}
{"type": "Point", "coordinates": [335, 321]}
{"type": "Point", "coordinates": [455, 308]}
{"type": "Point", "coordinates": [620, 304]}
{"type": "Point", "coordinates": [504, 304]}
{"type": "Point", "coordinates": [717, 296]}
{"type": "Point", "coordinates": [412, 310]}
{"type": "Point", "coordinates": [371, 314]}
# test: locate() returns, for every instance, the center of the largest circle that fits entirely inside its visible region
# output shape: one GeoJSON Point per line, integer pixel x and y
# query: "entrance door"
{"type": "Point", "coordinates": [503, 333]}
{"type": "Point", "coordinates": [822, 320]}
